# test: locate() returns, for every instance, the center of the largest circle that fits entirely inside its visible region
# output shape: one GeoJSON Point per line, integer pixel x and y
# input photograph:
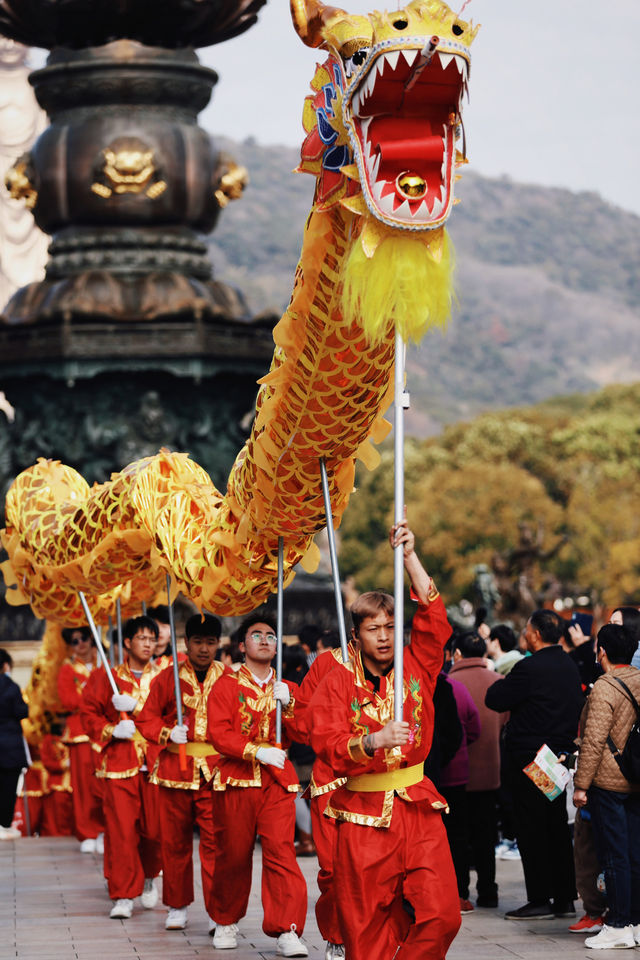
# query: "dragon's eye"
{"type": "Point", "coordinates": [401, 23]}
{"type": "Point", "coordinates": [356, 60]}
{"type": "Point", "coordinates": [457, 29]}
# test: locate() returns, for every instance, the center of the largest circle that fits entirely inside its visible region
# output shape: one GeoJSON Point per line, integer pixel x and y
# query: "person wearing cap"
{"type": "Point", "coordinates": [185, 794]}
{"type": "Point", "coordinates": [132, 843]}
{"type": "Point", "coordinates": [391, 844]}
{"type": "Point", "coordinates": [87, 790]}
{"type": "Point", "coordinates": [254, 792]}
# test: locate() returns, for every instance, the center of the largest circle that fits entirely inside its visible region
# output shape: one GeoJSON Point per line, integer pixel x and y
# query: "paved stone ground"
{"type": "Point", "coordinates": [54, 906]}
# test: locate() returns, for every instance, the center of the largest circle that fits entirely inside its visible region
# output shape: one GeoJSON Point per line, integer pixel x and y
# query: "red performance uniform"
{"type": "Point", "coordinates": [87, 791]}
{"type": "Point", "coordinates": [132, 841]}
{"type": "Point", "coordinates": [391, 842]}
{"type": "Point", "coordinates": [35, 788]}
{"type": "Point", "coordinates": [185, 797]}
{"type": "Point", "coordinates": [249, 798]}
{"type": "Point", "coordinates": [323, 783]}
{"type": "Point", "coordinates": [57, 812]}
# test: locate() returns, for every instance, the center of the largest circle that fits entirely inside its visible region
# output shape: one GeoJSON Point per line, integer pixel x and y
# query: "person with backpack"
{"type": "Point", "coordinates": [606, 780]}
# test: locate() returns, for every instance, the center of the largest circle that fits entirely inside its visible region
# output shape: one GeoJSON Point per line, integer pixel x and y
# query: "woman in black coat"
{"type": "Point", "coordinates": [13, 758]}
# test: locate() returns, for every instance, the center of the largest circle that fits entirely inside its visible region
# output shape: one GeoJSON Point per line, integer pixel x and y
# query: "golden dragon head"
{"type": "Point", "coordinates": [383, 121]}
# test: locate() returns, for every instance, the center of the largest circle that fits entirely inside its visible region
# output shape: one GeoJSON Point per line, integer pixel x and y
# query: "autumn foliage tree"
{"type": "Point", "coordinates": [570, 465]}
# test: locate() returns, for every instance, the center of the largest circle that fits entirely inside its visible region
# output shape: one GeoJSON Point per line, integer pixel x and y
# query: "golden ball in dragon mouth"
{"type": "Point", "coordinates": [411, 185]}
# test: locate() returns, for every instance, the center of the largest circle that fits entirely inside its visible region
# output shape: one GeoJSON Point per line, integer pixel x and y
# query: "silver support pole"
{"type": "Point", "coordinates": [174, 653]}
{"type": "Point", "coordinates": [96, 637]}
{"type": "Point", "coordinates": [279, 633]}
{"type": "Point", "coordinates": [112, 649]}
{"type": "Point", "coordinates": [144, 609]}
{"type": "Point", "coordinates": [398, 516]}
{"type": "Point", "coordinates": [119, 628]}
{"type": "Point", "coordinates": [331, 534]}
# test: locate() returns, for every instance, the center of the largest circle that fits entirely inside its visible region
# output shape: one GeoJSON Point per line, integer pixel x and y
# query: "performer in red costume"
{"type": "Point", "coordinates": [57, 804]}
{"type": "Point", "coordinates": [87, 791]}
{"type": "Point", "coordinates": [391, 842]}
{"type": "Point", "coordinates": [254, 792]}
{"type": "Point", "coordinates": [323, 783]}
{"type": "Point", "coordinates": [185, 795]}
{"type": "Point", "coordinates": [132, 842]}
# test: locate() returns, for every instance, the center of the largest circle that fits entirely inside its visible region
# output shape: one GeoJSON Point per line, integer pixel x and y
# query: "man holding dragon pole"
{"type": "Point", "coordinates": [391, 844]}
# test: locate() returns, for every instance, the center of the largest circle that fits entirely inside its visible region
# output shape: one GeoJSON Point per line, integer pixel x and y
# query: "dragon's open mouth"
{"type": "Point", "coordinates": [402, 117]}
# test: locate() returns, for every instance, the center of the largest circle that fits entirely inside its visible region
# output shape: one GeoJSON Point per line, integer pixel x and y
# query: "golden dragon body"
{"type": "Point", "coordinates": [382, 124]}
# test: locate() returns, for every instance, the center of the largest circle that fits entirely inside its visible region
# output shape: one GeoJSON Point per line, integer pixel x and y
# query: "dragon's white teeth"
{"type": "Point", "coordinates": [410, 56]}
{"type": "Point", "coordinates": [376, 190]}
{"type": "Point", "coordinates": [373, 163]}
{"type": "Point", "coordinates": [365, 123]}
{"type": "Point", "coordinates": [392, 58]}
{"type": "Point", "coordinates": [378, 66]}
{"type": "Point", "coordinates": [438, 207]}
{"type": "Point", "coordinates": [404, 211]}
{"type": "Point", "coordinates": [445, 59]}
{"type": "Point", "coordinates": [355, 103]}
{"type": "Point", "coordinates": [422, 213]}
{"type": "Point", "coordinates": [371, 82]}
{"type": "Point", "coordinates": [386, 204]}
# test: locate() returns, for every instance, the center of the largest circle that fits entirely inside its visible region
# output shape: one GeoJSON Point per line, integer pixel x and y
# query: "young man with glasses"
{"type": "Point", "coordinates": [185, 794]}
{"type": "Point", "coordinates": [132, 842]}
{"type": "Point", "coordinates": [254, 792]}
{"type": "Point", "coordinates": [87, 791]}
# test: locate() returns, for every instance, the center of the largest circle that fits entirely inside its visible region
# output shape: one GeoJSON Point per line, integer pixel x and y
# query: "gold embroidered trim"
{"type": "Point", "coordinates": [250, 750]}
{"type": "Point", "coordinates": [364, 819]}
{"type": "Point", "coordinates": [165, 733]}
{"type": "Point", "coordinates": [107, 732]}
{"type": "Point", "coordinates": [198, 698]}
{"type": "Point", "coordinates": [327, 788]}
{"type": "Point", "coordinates": [357, 751]}
{"type": "Point", "coordinates": [118, 775]}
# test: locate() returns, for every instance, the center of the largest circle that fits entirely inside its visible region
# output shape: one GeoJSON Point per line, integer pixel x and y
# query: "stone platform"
{"type": "Point", "coordinates": [54, 906]}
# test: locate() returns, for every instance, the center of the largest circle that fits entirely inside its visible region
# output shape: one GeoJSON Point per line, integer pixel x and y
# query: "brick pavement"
{"type": "Point", "coordinates": [54, 906]}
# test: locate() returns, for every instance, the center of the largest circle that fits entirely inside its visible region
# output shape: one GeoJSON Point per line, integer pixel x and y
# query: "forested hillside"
{"type": "Point", "coordinates": [568, 468]}
{"type": "Point", "coordinates": [547, 281]}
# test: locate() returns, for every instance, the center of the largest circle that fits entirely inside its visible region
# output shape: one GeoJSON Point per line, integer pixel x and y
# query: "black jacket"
{"type": "Point", "coordinates": [544, 697]}
{"type": "Point", "coordinates": [13, 709]}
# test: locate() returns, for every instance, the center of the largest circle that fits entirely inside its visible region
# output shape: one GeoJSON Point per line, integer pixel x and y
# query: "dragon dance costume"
{"type": "Point", "coordinates": [86, 789]}
{"type": "Point", "coordinates": [391, 843]}
{"type": "Point", "coordinates": [185, 797]}
{"type": "Point", "coordinates": [132, 843]}
{"type": "Point", "coordinates": [250, 797]}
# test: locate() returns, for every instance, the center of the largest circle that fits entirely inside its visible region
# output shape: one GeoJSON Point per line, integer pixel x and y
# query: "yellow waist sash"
{"type": "Point", "coordinates": [389, 780]}
{"type": "Point", "coordinates": [193, 749]}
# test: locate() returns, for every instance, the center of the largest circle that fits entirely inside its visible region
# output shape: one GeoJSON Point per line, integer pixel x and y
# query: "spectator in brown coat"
{"type": "Point", "coordinates": [472, 669]}
{"type": "Point", "coordinates": [614, 802]}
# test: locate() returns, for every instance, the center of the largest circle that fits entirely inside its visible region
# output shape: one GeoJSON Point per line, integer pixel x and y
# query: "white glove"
{"type": "Point", "coordinates": [179, 734]}
{"type": "Point", "coordinates": [122, 701]}
{"type": "Point", "coordinates": [272, 756]}
{"type": "Point", "coordinates": [281, 692]}
{"type": "Point", "coordinates": [124, 730]}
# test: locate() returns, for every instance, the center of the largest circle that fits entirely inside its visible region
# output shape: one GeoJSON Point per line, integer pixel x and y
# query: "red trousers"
{"type": "Point", "coordinates": [57, 814]}
{"type": "Point", "coordinates": [238, 814]}
{"type": "Point", "coordinates": [132, 842]}
{"type": "Point", "coordinates": [375, 868]}
{"type": "Point", "coordinates": [87, 792]}
{"type": "Point", "coordinates": [179, 811]}
{"type": "Point", "coordinates": [324, 837]}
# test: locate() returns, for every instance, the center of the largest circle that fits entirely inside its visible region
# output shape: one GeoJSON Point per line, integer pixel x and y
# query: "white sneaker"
{"type": "Point", "coordinates": [226, 937]}
{"type": "Point", "coordinates": [509, 851]}
{"type": "Point", "coordinates": [176, 919]}
{"type": "Point", "coordinates": [88, 846]}
{"type": "Point", "coordinates": [290, 945]}
{"type": "Point", "coordinates": [149, 896]}
{"type": "Point", "coordinates": [122, 909]}
{"type": "Point", "coordinates": [612, 938]}
{"type": "Point", "coordinates": [9, 833]}
{"type": "Point", "coordinates": [334, 951]}
{"type": "Point", "coordinates": [100, 843]}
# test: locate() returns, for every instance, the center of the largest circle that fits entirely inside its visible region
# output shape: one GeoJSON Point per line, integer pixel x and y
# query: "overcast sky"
{"type": "Point", "coordinates": [553, 90]}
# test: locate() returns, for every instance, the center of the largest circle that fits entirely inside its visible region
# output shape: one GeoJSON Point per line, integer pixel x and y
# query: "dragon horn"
{"type": "Point", "coordinates": [309, 17]}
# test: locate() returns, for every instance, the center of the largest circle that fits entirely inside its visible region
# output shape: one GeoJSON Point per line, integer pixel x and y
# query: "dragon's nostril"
{"type": "Point", "coordinates": [401, 23]}
{"type": "Point", "coordinates": [457, 29]}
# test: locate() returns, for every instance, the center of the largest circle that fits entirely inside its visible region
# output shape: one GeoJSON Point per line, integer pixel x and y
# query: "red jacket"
{"type": "Point", "coordinates": [323, 778]}
{"type": "Point", "coordinates": [72, 679]}
{"type": "Point", "coordinates": [55, 758]}
{"type": "Point", "coordinates": [345, 708]}
{"type": "Point", "coordinates": [160, 715]}
{"type": "Point", "coordinates": [119, 759]}
{"type": "Point", "coordinates": [242, 718]}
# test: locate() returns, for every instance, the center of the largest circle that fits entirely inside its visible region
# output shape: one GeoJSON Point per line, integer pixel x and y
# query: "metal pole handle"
{"type": "Point", "coordinates": [182, 749]}
{"type": "Point", "coordinates": [119, 628]}
{"type": "Point", "coordinates": [279, 632]}
{"type": "Point", "coordinates": [96, 637]}
{"type": "Point", "coordinates": [331, 534]}
{"type": "Point", "coordinates": [398, 516]}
